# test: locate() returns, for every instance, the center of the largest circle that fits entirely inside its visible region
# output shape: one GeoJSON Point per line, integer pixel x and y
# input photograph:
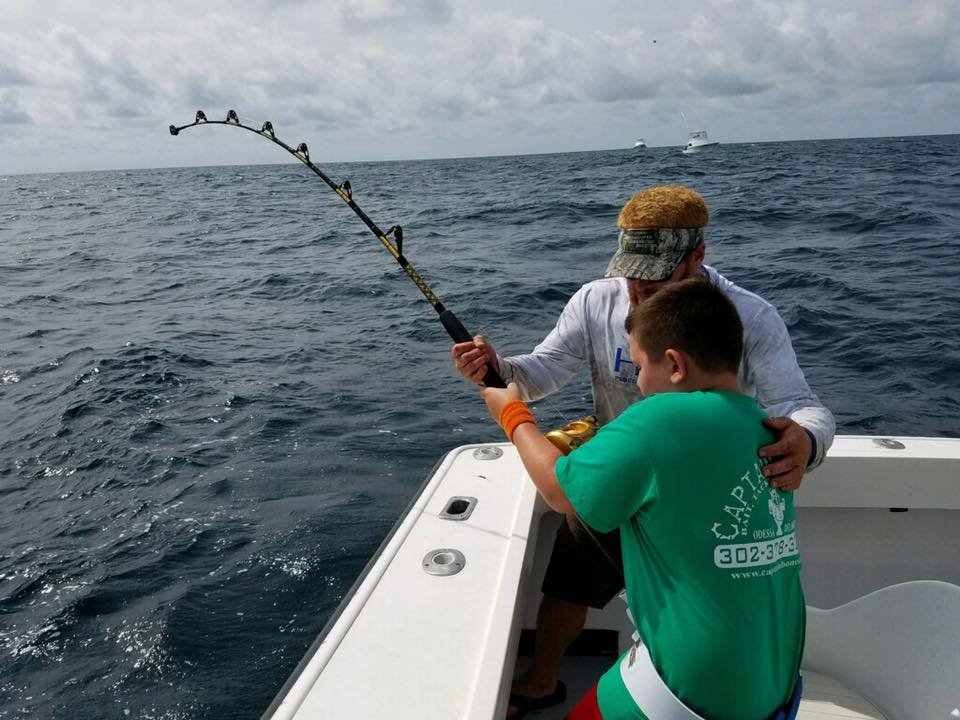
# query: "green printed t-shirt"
{"type": "Point", "coordinates": [710, 557]}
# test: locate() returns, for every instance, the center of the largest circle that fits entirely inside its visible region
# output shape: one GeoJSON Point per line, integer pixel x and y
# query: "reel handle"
{"type": "Point", "coordinates": [458, 332]}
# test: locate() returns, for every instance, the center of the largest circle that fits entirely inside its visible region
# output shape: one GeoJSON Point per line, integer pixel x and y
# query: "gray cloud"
{"type": "Point", "coordinates": [10, 111]}
{"type": "Point", "coordinates": [104, 83]}
{"type": "Point", "coordinates": [359, 15]}
{"type": "Point", "coordinates": [724, 84]}
{"type": "Point", "coordinates": [12, 76]}
{"type": "Point", "coordinates": [388, 78]}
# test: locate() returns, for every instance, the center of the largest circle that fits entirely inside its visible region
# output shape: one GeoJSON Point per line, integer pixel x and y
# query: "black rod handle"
{"type": "Point", "coordinates": [458, 332]}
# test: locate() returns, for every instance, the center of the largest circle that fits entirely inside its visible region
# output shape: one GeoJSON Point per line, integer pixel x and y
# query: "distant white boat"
{"type": "Point", "coordinates": [697, 142]}
{"type": "Point", "coordinates": [639, 144]}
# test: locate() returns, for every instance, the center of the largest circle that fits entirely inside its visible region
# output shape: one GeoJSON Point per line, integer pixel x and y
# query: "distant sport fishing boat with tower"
{"type": "Point", "coordinates": [697, 140]}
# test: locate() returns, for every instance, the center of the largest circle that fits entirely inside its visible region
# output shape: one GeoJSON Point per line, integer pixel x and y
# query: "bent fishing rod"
{"type": "Point", "coordinates": [453, 326]}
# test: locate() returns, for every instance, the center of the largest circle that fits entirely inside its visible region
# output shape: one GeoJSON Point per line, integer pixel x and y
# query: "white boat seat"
{"type": "Point", "coordinates": [825, 698]}
{"type": "Point", "coordinates": [898, 647]}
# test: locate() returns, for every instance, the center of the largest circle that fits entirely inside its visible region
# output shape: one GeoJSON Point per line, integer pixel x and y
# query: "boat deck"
{"type": "Point", "coordinates": [434, 642]}
{"type": "Point", "coordinates": [579, 674]}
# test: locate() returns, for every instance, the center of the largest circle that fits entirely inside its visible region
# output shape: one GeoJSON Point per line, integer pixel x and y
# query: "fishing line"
{"type": "Point", "coordinates": [392, 239]}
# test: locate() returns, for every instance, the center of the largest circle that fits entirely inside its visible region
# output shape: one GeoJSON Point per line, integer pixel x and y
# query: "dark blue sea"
{"type": "Point", "coordinates": [218, 391]}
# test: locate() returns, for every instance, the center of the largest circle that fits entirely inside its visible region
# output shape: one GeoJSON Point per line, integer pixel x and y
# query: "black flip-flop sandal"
{"type": "Point", "coordinates": [526, 704]}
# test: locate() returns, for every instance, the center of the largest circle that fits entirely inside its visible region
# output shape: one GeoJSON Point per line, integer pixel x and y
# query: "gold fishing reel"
{"type": "Point", "coordinates": [574, 434]}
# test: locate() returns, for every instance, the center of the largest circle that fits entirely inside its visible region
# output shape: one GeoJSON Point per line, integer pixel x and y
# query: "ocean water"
{"type": "Point", "coordinates": [218, 391]}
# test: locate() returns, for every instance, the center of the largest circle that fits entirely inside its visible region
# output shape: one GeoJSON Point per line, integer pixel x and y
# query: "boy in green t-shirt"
{"type": "Point", "coordinates": [710, 555]}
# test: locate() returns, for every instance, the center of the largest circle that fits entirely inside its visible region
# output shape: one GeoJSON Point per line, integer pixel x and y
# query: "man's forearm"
{"type": "Point", "coordinates": [537, 375]}
{"type": "Point", "coordinates": [820, 425]}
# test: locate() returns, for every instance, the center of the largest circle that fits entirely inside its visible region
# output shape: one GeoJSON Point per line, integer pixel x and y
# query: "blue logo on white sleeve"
{"type": "Point", "coordinates": [623, 369]}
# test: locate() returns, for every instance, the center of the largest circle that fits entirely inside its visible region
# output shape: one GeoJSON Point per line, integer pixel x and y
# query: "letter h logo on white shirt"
{"type": "Point", "coordinates": [620, 359]}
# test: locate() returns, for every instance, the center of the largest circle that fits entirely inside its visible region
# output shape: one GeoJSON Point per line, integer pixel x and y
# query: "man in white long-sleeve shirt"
{"type": "Point", "coordinates": [661, 242]}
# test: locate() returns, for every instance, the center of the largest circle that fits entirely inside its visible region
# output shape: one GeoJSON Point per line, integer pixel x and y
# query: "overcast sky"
{"type": "Point", "coordinates": [94, 84]}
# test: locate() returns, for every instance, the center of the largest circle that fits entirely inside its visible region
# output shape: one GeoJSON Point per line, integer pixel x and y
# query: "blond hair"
{"type": "Point", "coordinates": [665, 206]}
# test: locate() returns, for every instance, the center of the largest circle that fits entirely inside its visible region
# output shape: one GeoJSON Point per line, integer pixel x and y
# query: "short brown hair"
{"type": "Point", "coordinates": [665, 206]}
{"type": "Point", "coordinates": [694, 316]}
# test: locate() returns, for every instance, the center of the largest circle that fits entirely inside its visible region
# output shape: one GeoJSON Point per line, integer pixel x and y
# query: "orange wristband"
{"type": "Point", "coordinates": [514, 414]}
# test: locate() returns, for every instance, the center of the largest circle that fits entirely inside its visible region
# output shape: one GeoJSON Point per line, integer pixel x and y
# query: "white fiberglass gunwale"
{"type": "Point", "coordinates": [406, 644]}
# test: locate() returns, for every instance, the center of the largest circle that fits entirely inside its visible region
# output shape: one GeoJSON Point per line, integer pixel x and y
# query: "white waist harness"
{"type": "Point", "coordinates": [648, 690]}
{"type": "Point", "coordinates": [658, 702]}
{"type": "Point", "coordinates": [644, 683]}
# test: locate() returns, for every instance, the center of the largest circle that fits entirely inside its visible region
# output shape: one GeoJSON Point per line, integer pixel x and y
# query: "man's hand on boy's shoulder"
{"type": "Point", "coordinates": [789, 455]}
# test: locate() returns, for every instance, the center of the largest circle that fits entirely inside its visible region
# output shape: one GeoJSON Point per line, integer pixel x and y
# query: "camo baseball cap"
{"type": "Point", "coordinates": [652, 254]}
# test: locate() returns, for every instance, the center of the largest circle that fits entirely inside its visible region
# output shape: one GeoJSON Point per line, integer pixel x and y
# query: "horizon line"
{"type": "Point", "coordinates": [476, 157]}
